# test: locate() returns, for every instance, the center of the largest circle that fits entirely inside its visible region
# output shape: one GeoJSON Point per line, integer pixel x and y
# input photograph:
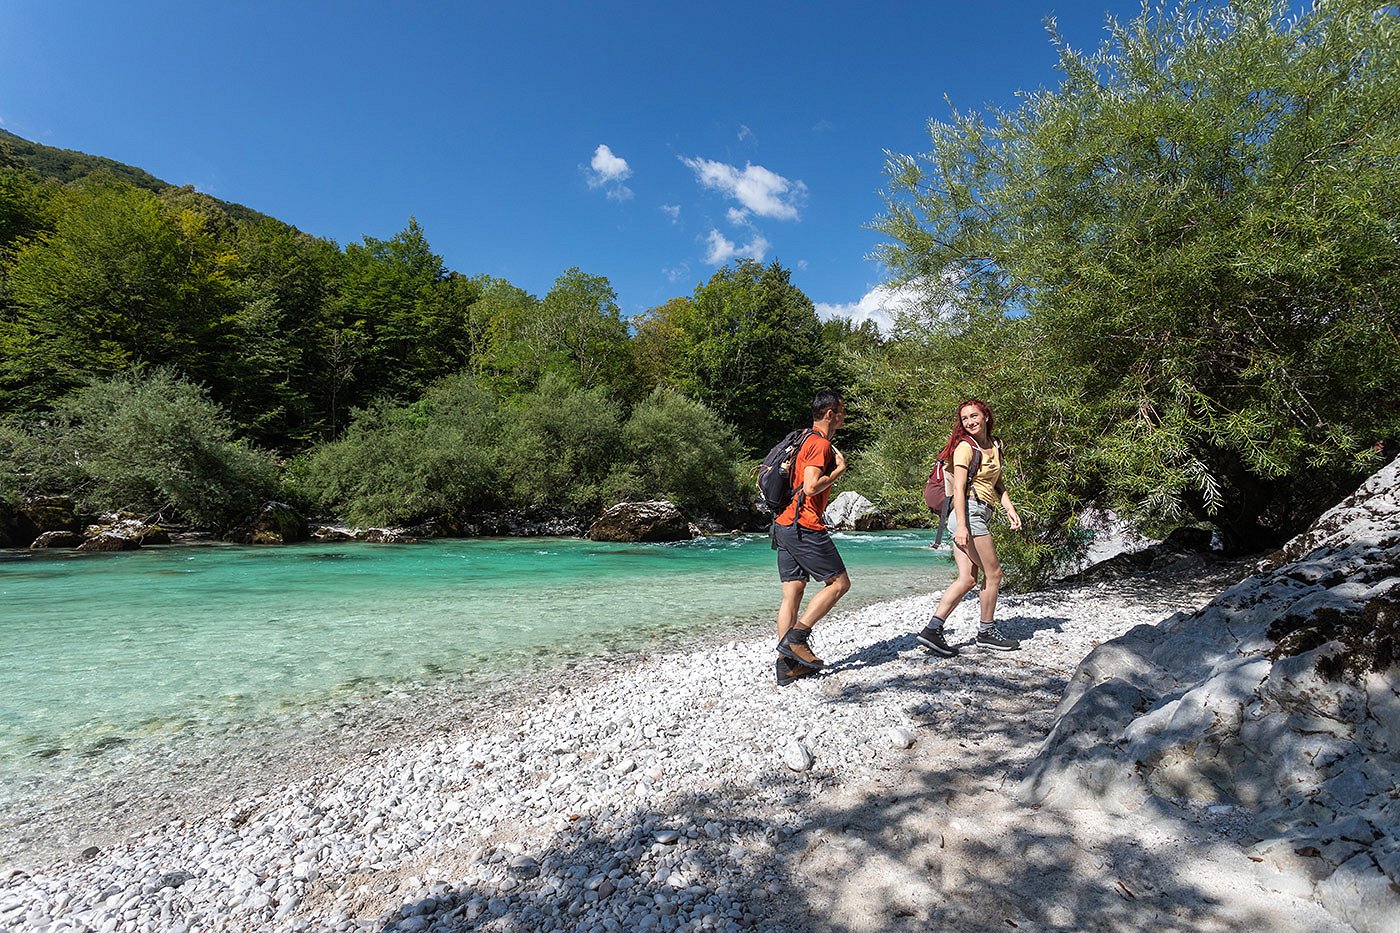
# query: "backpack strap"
{"type": "Point", "coordinates": [799, 487]}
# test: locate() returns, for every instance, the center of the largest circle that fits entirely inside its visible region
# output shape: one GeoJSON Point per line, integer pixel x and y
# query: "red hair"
{"type": "Point", "coordinates": [959, 434]}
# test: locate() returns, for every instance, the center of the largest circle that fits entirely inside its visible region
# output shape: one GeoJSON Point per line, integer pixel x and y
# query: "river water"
{"type": "Point", "coordinates": [105, 654]}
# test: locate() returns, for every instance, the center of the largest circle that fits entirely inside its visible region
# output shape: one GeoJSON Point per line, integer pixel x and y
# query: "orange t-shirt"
{"type": "Point", "coordinates": [816, 451]}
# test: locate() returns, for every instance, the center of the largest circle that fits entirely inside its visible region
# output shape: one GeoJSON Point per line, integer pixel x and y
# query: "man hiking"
{"type": "Point", "coordinates": [805, 550]}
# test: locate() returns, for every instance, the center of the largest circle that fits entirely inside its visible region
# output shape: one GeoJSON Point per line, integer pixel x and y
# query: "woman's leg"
{"type": "Point", "coordinates": [961, 585]}
{"type": "Point", "coordinates": [987, 634]}
{"type": "Point", "coordinates": [986, 557]}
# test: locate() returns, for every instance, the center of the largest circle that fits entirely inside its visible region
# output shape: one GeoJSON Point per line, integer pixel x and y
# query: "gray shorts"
{"type": "Point", "coordinates": [804, 554]}
{"type": "Point", "coordinates": [978, 513]}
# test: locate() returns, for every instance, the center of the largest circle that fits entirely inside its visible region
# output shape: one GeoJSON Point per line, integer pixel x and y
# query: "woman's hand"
{"type": "Point", "coordinates": [960, 538]}
{"type": "Point", "coordinates": [1015, 521]}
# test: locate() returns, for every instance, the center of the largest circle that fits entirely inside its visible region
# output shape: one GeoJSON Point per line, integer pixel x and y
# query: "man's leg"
{"type": "Point", "coordinates": [821, 604]}
{"type": "Point", "coordinates": [787, 609]}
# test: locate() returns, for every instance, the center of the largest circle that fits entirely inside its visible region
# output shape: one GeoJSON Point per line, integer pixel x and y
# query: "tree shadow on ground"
{"type": "Point", "coordinates": [918, 850]}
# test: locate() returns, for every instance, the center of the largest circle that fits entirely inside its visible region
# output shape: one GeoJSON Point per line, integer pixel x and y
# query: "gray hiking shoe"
{"type": "Point", "coordinates": [995, 640]}
{"type": "Point", "coordinates": [932, 639]}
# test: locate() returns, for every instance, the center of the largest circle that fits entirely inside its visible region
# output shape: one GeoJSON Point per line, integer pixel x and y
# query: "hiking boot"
{"type": "Point", "coordinates": [991, 638]}
{"type": "Point", "coordinates": [789, 671]}
{"type": "Point", "coordinates": [932, 639]}
{"type": "Point", "coordinates": [793, 645]}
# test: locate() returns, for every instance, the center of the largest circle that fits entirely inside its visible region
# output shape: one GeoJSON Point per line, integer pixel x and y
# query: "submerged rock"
{"type": "Point", "coordinates": [658, 520]}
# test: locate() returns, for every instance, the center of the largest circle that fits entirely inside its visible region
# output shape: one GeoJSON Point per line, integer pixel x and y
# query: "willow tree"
{"type": "Point", "coordinates": [1191, 244]}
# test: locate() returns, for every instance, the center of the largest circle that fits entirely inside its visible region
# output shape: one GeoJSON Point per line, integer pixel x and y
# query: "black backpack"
{"type": "Point", "coordinates": [775, 472]}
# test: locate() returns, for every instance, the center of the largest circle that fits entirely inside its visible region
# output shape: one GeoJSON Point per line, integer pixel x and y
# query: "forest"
{"type": "Point", "coordinates": [1174, 278]}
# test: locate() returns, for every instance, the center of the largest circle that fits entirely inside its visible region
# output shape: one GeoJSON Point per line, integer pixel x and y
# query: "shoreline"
{"type": "Point", "coordinates": [655, 797]}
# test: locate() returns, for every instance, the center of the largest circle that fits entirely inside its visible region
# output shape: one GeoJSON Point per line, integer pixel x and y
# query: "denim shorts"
{"type": "Point", "coordinates": [978, 513]}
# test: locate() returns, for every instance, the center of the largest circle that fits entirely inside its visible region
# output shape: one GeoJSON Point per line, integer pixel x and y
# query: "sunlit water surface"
{"type": "Point", "coordinates": [102, 650]}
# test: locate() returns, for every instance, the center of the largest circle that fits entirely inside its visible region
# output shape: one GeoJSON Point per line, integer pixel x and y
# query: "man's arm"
{"type": "Point", "coordinates": [814, 481]}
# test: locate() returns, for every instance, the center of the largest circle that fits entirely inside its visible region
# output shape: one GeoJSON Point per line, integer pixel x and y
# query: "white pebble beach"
{"type": "Point", "coordinates": [685, 791]}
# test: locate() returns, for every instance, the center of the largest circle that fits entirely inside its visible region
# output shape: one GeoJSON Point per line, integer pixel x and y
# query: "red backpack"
{"type": "Point", "coordinates": [938, 489]}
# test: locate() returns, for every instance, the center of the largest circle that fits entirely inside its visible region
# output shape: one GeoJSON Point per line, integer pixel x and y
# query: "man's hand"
{"type": "Point", "coordinates": [960, 538]}
{"type": "Point", "coordinates": [840, 463]}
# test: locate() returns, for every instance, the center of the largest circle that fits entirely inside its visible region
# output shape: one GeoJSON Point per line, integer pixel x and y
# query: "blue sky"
{"type": "Point", "coordinates": [646, 142]}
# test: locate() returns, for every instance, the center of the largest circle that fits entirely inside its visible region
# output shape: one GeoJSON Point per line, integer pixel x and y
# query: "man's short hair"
{"type": "Point", "coordinates": [826, 398]}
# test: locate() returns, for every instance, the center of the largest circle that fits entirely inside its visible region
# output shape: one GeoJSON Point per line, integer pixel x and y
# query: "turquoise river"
{"type": "Point", "coordinates": [103, 651]}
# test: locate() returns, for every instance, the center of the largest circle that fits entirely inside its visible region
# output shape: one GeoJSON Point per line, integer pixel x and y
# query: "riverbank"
{"type": "Point", "coordinates": [655, 796]}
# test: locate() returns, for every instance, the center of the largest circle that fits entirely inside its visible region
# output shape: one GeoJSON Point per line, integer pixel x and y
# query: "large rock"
{"type": "Point", "coordinates": [658, 520]}
{"type": "Point", "coordinates": [274, 523]}
{"type": "Point", "coordinates": [106, 541]}
{"type": "Point", "coordinates": [56, 540]}
{"type": "Point", "coordinates": [851, 511]}
{"type": "Point", "coordinates": [1281, 697]}
{"type": "Point", "coordinates": [11, 534]}
{"type": "Point", "coordinates": [51, 513]}
{"type": "Point", "coordinates": [21, 523]}
{"type": "Point", "coordinates": [124, 525]}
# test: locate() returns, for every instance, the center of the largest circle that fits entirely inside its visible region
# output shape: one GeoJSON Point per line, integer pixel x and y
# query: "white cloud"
{"type": "Point", "coordinates": [672, 211]}
{"type": "Point", "coordinates": [609, 170]}
{"type": "Point", "coordinates": [608, 167]}
{"type": "Point", "coordinates": [677, 272]}
{"type": "Point", "coordinates": [761, 191]}
{"type": "Point", "coordinates": [739, 217]}
{"type": "Point", "coordinates": [746, 133]}
{"type": "Point", "coordinates": [823, 126]}
{"type": "Point", "coordinates": [721, 249]}
{"type": "Point", "coordinates": [880, 305]}
{"type": "Point", "coordinates": [801, 265]}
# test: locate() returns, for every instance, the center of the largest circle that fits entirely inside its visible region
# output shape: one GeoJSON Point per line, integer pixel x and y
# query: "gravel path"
{"type": "Point", "coordinates": [663, 796]}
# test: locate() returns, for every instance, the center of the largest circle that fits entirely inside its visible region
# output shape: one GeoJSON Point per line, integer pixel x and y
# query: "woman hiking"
{"type": "Point", "coordinates": [975, 454]}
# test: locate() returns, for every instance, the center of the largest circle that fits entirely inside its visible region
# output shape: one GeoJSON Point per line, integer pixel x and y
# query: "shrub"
{"type": "Point", "coordinates": [399, 464]}
{"type": "Point", "coordinates": [153, 443]}
{"type": "Point", "coordinates": [559, 445]}
{"type": "Point", "coordinates": [680, 450]}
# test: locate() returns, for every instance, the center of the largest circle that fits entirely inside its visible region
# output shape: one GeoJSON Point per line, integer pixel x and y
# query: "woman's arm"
{"type": "Point", "coordinates": [960, 534]}
{"type": "Point", "coordinates": [1011, 515]}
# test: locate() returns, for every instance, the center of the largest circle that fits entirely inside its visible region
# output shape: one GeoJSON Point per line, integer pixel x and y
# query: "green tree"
{"type": "Point", "coordinates": [579, 320]}
{"type": "Point", "coordinates": [120, 280]}
{"type": "Point", "coordinates": [750, 348]}
{"type": "Point", "coordinates": [1199, 223]}
{"type": "Point", "coordinates": [271, 372]}
{"type": "Point", "coordinates": [387, 290]}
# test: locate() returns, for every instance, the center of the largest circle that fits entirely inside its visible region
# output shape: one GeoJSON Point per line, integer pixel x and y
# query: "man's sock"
{"type": "Point", "coordinates": [986, 626]}
{"type": "Point", "coordinates": [935, 623]}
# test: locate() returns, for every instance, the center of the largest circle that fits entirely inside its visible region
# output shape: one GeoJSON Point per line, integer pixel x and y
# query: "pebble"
{"type": "Point", "coordinates": [797, 756]}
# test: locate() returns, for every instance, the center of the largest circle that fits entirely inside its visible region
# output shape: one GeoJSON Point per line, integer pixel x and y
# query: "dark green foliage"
{"type": "Point", "coordinates": [559, 445]}
{"type": "Point", "coordinates": [749, 346]}
{"type": "Point", "coordinates": [148, 443]}
{"type": "Point", "coordinates": [399, 464]}
{"type": "Point", "coordinates": [680, 450]}
{"type": "Point", "coordinates": [1199, 223]}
